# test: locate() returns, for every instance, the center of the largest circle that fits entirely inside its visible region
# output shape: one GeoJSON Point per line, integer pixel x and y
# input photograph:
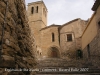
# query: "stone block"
{"type": "Point", "coordinates": [10, 24]}
{"type": "Point", "coordinates": [29, 60]}
{"type": "Point", "coordinates": [11, 43]}
{"type": "Point", "coordinates": [22, 64]}
{"type": "Point", "coordinates": [16, 41]}
{"type": "Point", "coordinates": [16, 73]}
{"type": "Point", "coordinates": [8, 51]}
{"type": "Point", "coordinates": [1, 19]}
{"type": "Point", "coordinates": [7, 61]}
{"type": "Point", "coordinates": [2, 16]}
{"type": "Point", "coordinates": [7, 28]}
{"type": "Point", "coordinates": [2, 5]}
{"type": "Point", "coordinates": [98, 43]}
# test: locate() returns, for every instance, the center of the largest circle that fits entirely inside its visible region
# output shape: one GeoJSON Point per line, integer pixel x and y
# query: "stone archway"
{"type": "Point", "coordinates": [53, 52]}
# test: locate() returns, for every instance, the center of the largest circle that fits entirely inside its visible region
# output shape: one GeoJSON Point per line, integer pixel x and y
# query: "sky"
{"type": "Point", "coordinates": [63, 11]}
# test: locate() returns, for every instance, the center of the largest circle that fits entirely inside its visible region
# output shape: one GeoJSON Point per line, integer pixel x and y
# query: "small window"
{"type": "Point", "coordinates": [53, 37]}
{"type": "Point", "coordinates": [69, 37]}
{"type": "Point", "coordinates": [32, 10]}
{"type": "Point", "coordinates": [37, 9]}
{"type": "Point", "coordinates": [88, 50]}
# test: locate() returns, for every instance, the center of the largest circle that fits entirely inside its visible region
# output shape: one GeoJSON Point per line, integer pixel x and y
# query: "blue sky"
{"type": "Point", "coordinates": [63, 11]}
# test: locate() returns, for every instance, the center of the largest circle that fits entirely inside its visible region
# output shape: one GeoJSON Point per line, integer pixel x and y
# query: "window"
{"type": "Point", "coordinates": [37, 9]}
{"type": "Point", "coordinates": [32, 10]}
{"type": "Point", "coordinates": [69, 37]}
{"type": "Point", "coordinates": [53, 37]}
{"type": "Point", "coordinates": [88, 50]}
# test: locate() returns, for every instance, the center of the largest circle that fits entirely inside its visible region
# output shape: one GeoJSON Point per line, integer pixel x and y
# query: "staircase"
{"type": "Point", "coordinates": [57, 66]}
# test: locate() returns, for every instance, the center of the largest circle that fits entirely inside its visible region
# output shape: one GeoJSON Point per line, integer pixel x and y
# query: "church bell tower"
{"type": "Point", "coordinates": [37, 15]}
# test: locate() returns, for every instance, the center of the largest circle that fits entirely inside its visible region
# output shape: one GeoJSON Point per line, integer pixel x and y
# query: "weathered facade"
{"type": "Point", "coordinates": [74, 44]}
{"type": "Point", "coordinates": [74, 28]}
{"type": "Point", "coordinates": [91, 37]}
{"type": "Point", "coordinates": [51, 41]}
{"type": "Point", "coordinates": [16, 45]}
{"type": "Point", "coordinates": [37, 15]}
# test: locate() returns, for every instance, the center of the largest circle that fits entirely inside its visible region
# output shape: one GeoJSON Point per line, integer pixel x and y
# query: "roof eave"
{"type": "Point", "coordinates": [96, 5]}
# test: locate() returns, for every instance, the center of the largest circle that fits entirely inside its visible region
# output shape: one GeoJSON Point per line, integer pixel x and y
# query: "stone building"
{"type": "Point", "coordinates": [16, 46]}
{"type": "Point", "coordinates": [91, 37]}
{"type": "Point", "coordinates": [37, 14]}
{"type": "Point", "coordinates": [74, 44]}
{"type": "Point", "coordinates": [61, 41]}
{"type": "Point", "coordinates": [70, 37]}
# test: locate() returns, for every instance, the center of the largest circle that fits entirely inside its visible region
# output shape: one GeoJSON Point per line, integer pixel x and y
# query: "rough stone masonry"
{"type": "Point", "coordinates": [17, 48]}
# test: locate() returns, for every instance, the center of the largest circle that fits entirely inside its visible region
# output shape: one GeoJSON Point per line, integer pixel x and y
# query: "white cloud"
{"type": "Point", "coordinates": [62, 11]}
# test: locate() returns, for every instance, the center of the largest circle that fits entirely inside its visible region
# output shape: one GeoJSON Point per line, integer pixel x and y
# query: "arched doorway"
{"type": "Point", "coordinates": [53, 52]}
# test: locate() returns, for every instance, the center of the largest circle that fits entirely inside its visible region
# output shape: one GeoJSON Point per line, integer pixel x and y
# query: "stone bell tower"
{"type": "Point", "coordinates": [37, 15]}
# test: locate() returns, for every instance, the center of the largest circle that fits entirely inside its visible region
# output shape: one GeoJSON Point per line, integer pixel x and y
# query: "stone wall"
{"type": "Point", "coordinates": [37, 21]}
{"type": "Point", "coordinates": [76, 28]}
{"type": "Point", "coordinates": [46, 39]}
{"type": "Point", "coordinates": [17, 47]}
{"type": "Point", "coordinates": [93, 55]}
{"type": "Point", "coordinates": [91, 38]}
{"type": "Point", "coordinates": [94, 51]}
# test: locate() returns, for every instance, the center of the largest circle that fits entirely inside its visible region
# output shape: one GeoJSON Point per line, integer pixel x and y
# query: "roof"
{"type": "Point", "coordinates": [69, 22]}
{"type": "Point", "coordinates": [96, 5]}
{"type": "Point", "coordinates": [53, 25]}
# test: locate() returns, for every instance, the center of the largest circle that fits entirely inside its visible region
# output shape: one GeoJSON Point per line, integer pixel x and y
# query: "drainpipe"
{"type": "Point", "coordinates": [3, 28]}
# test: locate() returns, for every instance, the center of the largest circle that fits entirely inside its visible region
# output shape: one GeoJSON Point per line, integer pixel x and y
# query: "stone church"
{"type": "Point", "coordinates": [54, 41]}
{"type": "Point", "coordinates": [55, 45]}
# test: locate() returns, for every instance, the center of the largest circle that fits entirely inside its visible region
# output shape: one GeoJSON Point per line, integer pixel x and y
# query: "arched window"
{"type": "Point", "coordinates": [37, 9]}
{"type": "Point", "coordinates": [32, 10]}
{"type": "Point", "coordinates": [53, 37]}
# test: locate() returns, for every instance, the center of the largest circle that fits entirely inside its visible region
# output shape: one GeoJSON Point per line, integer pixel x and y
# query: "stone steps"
{"type": "Point", "coordinates": [55, 66]}
{"type": "Point", "coordinates": [54, 63]}
{"type": "Point", "coordinates": [69, 74]}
